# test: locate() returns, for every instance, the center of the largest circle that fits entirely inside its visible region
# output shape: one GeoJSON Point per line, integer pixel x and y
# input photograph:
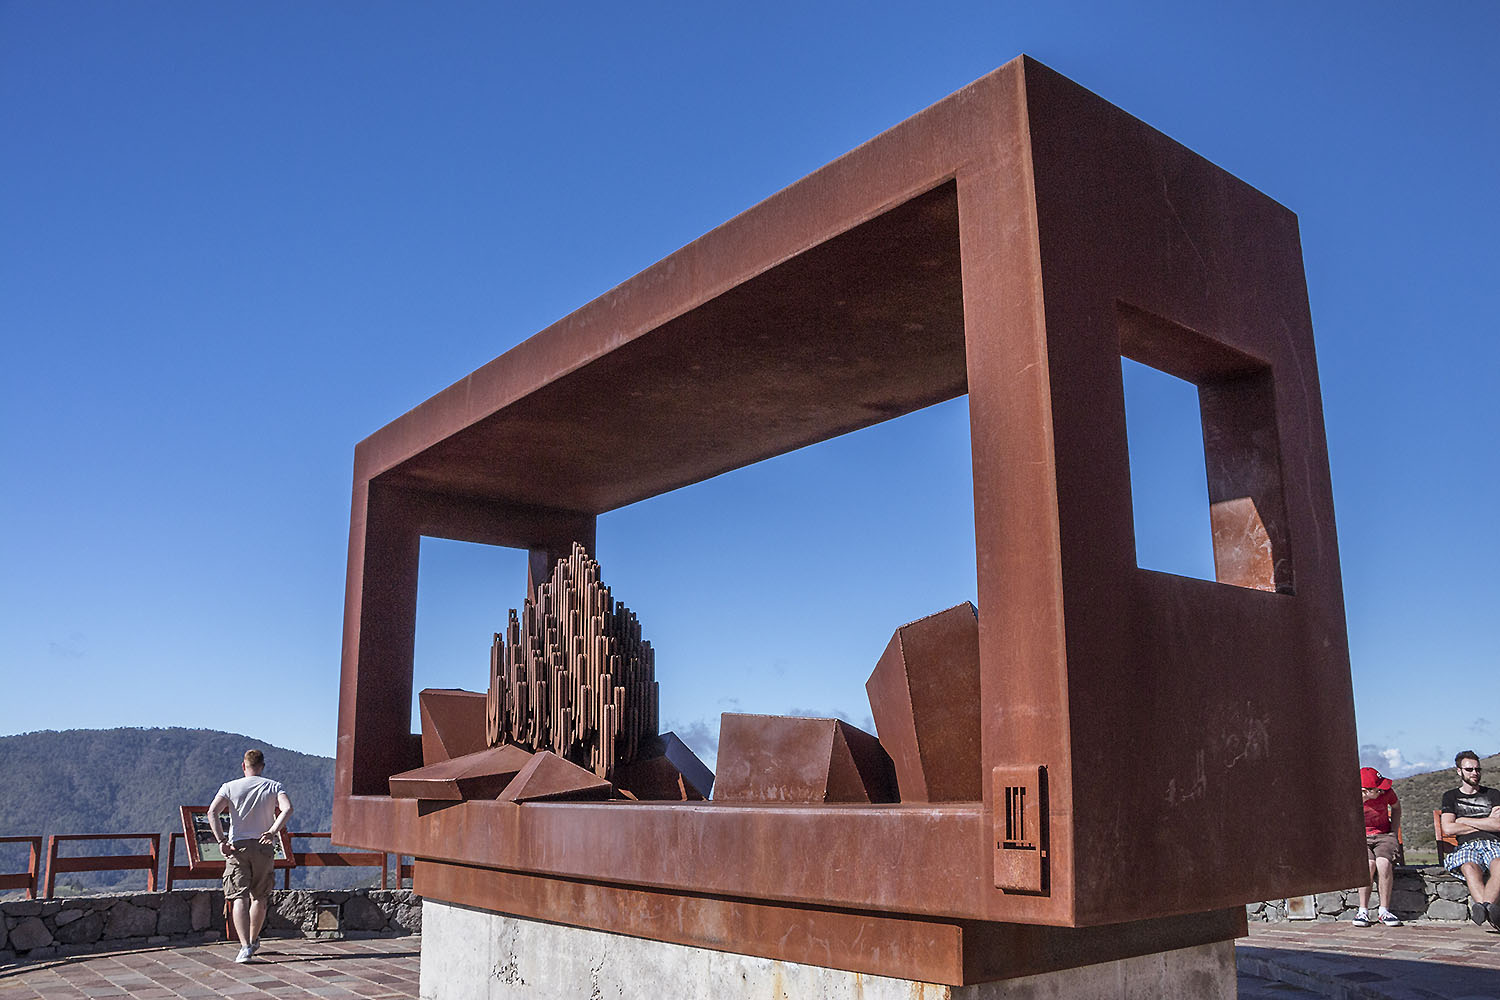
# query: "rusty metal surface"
{"type": "Point", "coordinates": [932, 855]}
{"type": "Point", "coordinates": [665, 768]}
{"type": "Point", "coordinates": [779, 758]}
{"type": "Point", "coordinates": [954, 952]}
{"type": "Point", "coordinates": [1019, 797]}
{"type": "Point", "coordinates": [1148, 250]}
{"type": "Point", "coordinates": [483, 774]}
{"type": "Point", "coordinates": [547, 777]}
{"type": "Point", "coordinates": [924, 695]}
{"type": "Point", "coordinates": [781, 359]}
{"type": "Point", "coordinates": [1012, 241]}
{"type": "Point", "coordinates": [572, 674]}
{"type": "Point", "coordinates": [452, 723]}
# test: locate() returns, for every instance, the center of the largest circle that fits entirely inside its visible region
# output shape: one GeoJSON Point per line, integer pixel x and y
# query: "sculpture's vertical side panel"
{"type": "Point", "coordinates": [343, 778]}
{"type": "Point", "coordinates": [1211, 720]}
{"type": "Point", "coordinates": [1023, 669]}
{"type": "Point", "coordinates": [376, 692]}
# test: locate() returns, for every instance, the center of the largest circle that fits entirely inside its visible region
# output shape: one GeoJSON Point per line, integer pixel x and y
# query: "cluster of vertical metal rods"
{"type": "Point", "coordinates": [571, 673]}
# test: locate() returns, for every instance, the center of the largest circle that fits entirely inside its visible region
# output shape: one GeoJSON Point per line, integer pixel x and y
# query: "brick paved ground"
{"type": "Point", "coordinates": [1421, 961]}
{"type": "Point", "coordinates": [383, 968]}
{"type": "Point", "coordinates": [1277, 962]}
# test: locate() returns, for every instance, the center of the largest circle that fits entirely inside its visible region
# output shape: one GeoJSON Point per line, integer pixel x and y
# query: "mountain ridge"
{"type": "Point", "coordinates": [133, 780]}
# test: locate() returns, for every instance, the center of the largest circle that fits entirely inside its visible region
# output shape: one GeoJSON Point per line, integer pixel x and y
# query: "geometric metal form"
{"type": "Point", "coordinates": [665, 769]}
{"type": "Point", "coordinates": [571, 673]}
{"type": "Point", "coordinates": [778, 758]}
{"type": "Point", "coordinates": [480, 775]}
{"type": "Point", "coordinates": [1013, 242]}
{"type": "Point", "coordinates": [549, 778]}
{"type": "Point", "coordinates": [452, 723]}
{"type": "Point", "coordinates": [924, 695]}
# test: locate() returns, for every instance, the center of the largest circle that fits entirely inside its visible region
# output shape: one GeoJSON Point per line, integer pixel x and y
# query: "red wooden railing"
{"type": "Point", "coordinates": [27, 879]}
{"type": "Point", "coordinates": [175, 872]}
{"type": "Point", "coordinates": [333, 859]}
{"type": "Point", "coordinates": [107, 863]}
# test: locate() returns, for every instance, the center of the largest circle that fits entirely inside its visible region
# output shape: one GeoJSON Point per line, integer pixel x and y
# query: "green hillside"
{"type": "Point", "coordinates": [133, 781]}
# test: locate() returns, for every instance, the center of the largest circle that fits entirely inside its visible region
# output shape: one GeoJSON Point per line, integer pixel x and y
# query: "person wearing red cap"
{"type": "Point", "coordinates": [1382, 819]}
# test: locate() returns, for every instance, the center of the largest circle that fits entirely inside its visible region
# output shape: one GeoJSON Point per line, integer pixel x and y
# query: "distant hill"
{"type": "Point", "coordinates": [134, 780]}
{"type": "Point", "coordinates": [1420, 794]}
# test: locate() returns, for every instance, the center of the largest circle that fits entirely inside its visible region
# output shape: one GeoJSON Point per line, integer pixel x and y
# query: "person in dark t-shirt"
{"type": "Point", "coordinates": [1471, 815]}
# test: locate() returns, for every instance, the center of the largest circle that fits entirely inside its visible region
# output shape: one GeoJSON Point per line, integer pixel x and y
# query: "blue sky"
{"type": "Point", "coordinates": [236, 239]}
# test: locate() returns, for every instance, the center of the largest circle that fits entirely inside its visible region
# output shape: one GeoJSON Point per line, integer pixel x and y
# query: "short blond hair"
{"type": "Point", "coordinates": [255, 759]}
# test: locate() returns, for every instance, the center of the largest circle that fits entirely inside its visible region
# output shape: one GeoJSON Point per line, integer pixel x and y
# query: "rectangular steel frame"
{"type": "Point", "coordinates": [1013, 241]}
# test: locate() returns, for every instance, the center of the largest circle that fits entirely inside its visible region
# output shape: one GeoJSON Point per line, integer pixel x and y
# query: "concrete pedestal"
{"type": "Point", "coordinates": [475, 955]}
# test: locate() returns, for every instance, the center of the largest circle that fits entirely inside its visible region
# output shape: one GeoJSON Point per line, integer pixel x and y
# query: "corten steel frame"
{"type": "Point", "coordinates": [1012, 241]}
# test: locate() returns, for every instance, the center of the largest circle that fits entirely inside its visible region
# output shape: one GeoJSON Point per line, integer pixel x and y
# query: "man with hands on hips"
{"type": "Point", "coordinates": [258, 811]}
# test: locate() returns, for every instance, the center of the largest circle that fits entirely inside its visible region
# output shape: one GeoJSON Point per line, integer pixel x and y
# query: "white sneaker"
{"type": "Point", "coordinates": [1389, 919]}
{"type": "Point", "coordinates": [1361, 919]}
{"type": "Point", "coordinates": [244, 955]}
{"type": "Point", "coordinates": [254, 946]}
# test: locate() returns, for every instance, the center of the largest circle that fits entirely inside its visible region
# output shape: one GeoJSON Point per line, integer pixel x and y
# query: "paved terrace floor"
{"type": "Point", "coordinates": [1277, 962]}
{"type": "Point", "coordinates": [383, 968]}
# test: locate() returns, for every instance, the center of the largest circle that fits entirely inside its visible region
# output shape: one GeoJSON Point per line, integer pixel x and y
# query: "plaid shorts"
{"type": "Point", "coordinates": [1481, 852]}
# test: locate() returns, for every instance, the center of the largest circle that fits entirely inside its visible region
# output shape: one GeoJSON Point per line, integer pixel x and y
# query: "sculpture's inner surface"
{"type": "Point", "coordinates": [857, 330]}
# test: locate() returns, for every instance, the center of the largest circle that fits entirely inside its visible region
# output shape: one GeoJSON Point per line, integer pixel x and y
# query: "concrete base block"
{"type": "Point", "coordinates": [475, 955]}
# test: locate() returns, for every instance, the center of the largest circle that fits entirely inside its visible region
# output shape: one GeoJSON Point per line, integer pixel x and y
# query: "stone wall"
{"type": "Point", "coordinates": [43, 928]}
{"type": "Point", "coordinates": [1420, 894]}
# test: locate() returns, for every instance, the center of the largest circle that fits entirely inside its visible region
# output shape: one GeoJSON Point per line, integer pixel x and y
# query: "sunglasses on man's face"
{"type": "Point", "coordinates": [1476, 770]}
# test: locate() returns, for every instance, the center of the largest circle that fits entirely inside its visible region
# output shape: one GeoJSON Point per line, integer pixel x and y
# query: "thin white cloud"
{"type": "Point", "coordinates": [1392, 761]}
{"type": "Point", "coordinates": [865, 722]}
{"type": "Point", "coordinates": [701, 737]}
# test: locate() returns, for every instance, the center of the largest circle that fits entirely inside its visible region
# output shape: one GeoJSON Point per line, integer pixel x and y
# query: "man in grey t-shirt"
{"type": "Point", "coordinates": [258, 811]}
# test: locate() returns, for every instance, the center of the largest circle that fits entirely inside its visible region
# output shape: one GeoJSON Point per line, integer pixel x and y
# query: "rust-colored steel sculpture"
{"type": "Point", "coordinates": [572, 674]}
{"type": "Point", "coordinates": [484, 774]}
{"type": "Point", "coordinates": [548, 777]}
{"type": "Point", "coordinates": [924, 694]}
{"type": "Point", "coordinates": [665, 769]}
{"type": "Point", "coordinates": [453, 723]}
{"type": "Point", "coordinates": [780, 758]}
{"type": "Point", "coordinates": [1012, 242]}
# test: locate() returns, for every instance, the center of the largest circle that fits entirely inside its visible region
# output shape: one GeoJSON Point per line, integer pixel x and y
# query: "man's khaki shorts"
{"type": "Point", "coordinates": [1381, 845]}
{"type": "Point", "coordinates": [249, 869]}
